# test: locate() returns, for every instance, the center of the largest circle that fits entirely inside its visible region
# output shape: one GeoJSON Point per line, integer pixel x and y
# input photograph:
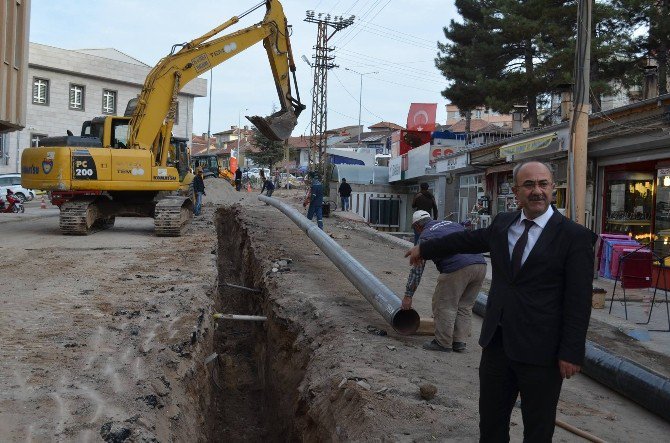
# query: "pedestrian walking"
{"type": "Point", "coordinates": [459, 282]}
{"type": "Point", "coordinates": [238, 179]}
{"type": "Point", "coordinates": [345, 194]}
{"type": "Point", "coordinates": [424, 201]}
{"type": "Point", "coordinates": [315, 199]}
{"type": "Point", "coordinates": [199, 190]}
{"type": "Point", "coordinates": [538, 308]}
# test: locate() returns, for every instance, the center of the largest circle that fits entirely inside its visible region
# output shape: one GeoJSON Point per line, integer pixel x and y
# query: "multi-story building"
{"type": "Point", "coordinates": [68, 87]}
{"type": "Point", "coordinates": [15, 19]}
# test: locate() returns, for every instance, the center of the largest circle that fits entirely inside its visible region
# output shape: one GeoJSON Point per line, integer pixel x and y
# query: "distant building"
{"type": "Point", "coordinates": [68, 87]}
{"type": "Point", "coordinates": [15, 19]}
{"type": "Point", "coordinates": [480, 113]}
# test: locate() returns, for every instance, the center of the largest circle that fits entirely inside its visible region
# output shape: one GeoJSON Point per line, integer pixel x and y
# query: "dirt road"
{"type": "Point", "coordinates": [110, 336]}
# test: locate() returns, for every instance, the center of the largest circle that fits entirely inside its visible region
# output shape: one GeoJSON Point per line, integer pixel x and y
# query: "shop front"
{"type": "Point", "coordinates": [636, 202]}
{"type": "Point", "coordinates": [468, 186]}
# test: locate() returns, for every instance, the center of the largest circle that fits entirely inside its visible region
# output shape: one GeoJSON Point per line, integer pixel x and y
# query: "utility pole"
{"type": "Point", "coordinates": [322, 63]}
{"type": "Point", "coordinates": [579, 121]}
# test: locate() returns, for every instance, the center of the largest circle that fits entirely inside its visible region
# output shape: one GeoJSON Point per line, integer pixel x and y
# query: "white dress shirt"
{"type": "Point", "coordinates": [516, 230]}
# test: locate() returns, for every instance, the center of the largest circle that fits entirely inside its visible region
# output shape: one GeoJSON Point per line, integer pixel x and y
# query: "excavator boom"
{"type": "Point", "coordinates": [157, 103]}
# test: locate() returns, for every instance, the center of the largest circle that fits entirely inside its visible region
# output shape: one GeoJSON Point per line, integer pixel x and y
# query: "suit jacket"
{"type": "Point", "coordinates": [544, 310]}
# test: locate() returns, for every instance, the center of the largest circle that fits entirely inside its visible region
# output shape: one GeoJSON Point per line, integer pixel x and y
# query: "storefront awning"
{"type": "Point", "coordinates": [530, 147]}
{"type": "Point", "coordinates": [500, 168]}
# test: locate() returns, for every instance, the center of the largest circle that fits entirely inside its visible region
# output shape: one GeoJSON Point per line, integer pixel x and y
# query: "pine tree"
{"type": "Point", "coordinates": [652, 16]}
{"type": "Point", "coordinates": [269, 152]}
{"type": "Point", "coordinates": [470, 60]}
{"type": "Point", "coordinates": [510, 52]}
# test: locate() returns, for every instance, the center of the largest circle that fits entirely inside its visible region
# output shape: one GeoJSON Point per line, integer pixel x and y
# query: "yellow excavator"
{"type": "Point", "coordinates": [131, 165]}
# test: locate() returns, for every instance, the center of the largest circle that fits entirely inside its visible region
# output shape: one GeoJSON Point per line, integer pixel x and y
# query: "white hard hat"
{"type": "Point", "coordinates": [420, 215]}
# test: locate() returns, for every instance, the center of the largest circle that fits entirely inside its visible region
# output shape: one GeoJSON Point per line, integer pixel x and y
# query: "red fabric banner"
{"type": "Point", "coordinates": [421, 117]}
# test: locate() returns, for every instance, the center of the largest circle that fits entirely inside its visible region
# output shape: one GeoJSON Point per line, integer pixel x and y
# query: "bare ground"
{"type": "Point", "coordinates": [108, 336]}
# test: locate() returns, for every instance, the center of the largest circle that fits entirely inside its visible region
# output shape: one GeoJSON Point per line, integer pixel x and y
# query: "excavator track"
{"type": "Point", "coordinates": [172, 215]}
{"type": "Point", "coordinates": [82, 217]}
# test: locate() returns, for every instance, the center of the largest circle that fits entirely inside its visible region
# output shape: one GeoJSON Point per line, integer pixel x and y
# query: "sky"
{"type": "Point", "coordinates": [396, 38]}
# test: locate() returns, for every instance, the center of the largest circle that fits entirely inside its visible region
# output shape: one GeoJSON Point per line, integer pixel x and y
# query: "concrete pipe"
{"type": "Point", "coordinates": [375, 292]}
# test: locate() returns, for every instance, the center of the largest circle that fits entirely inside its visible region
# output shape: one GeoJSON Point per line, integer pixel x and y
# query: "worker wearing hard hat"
{"type": "Point", "coordinates": [459, 282]}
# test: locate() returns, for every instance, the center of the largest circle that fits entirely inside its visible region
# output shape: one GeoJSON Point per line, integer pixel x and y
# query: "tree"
{"type": "Point", "coordinates": [654, 17]}
{"type": "Point", "coordinates": [269, 152]}
{"type": "Point", "coordinates": [510, 52]}
{"type": "Point", "coordinates": [470, 60]}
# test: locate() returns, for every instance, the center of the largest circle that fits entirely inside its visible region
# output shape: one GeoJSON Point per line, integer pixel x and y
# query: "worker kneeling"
{"type": "Point", "coordinates": [461, 277]}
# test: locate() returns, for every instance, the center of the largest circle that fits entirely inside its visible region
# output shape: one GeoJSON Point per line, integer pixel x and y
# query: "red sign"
{"type": "Point", "coordinates": [421, 117]}
{"type": "Point", "coordinates": [438, 152]}
{"type": "Point", "coordinates": [412, 139]}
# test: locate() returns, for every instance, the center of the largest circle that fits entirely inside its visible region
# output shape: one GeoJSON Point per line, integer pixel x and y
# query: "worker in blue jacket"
{"type": "Point", "coordinates": [315, 199]}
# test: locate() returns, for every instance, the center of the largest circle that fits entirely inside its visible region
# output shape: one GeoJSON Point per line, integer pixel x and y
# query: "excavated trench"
{"type": "Point", "coordinates": [260, 364]}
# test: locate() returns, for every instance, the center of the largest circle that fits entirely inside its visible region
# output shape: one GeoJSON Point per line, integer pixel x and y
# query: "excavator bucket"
{"type": "Point", "coordinates": [276, 127]}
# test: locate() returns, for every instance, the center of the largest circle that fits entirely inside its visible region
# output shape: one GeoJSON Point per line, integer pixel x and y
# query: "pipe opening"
{"type": "Point", "coordinates": [406, 322]}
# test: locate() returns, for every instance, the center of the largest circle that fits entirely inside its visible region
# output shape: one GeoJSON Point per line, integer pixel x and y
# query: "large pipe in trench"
{"type": "Point", "coordinates": [375, 292]}
{"type": "Point", "coordinates": [647, 388]}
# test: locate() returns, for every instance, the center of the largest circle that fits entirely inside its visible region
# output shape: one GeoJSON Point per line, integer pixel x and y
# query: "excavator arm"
{"type": "Point", "coordinates": [154, 113]}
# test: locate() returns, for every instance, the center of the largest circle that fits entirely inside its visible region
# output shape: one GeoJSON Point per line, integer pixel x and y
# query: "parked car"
{"type": "Point", "coordinates": [256, 173]}
{"type": "Point", "coordinates": [13, 182]}
{"type": "Point", "coordinates": [289, 181]}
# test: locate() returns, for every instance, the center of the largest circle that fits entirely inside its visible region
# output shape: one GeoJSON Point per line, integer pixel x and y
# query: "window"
{"type": "Point", "coordinates": [40, 91]}
{"type": "Point", "coordinates": [478, 113]}
{"type": "Point", "coordinates": [108, 101]}
{"type": "Point", "coordinates": [35, 139]}
{"type": "Point", "coordinates": [629, 202]}
{"type": "Point", "coordinates": [77, 97]}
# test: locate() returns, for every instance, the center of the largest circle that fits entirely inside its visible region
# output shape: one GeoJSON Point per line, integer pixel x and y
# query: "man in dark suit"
{"type": "Point", "coordinates": [538, 308]}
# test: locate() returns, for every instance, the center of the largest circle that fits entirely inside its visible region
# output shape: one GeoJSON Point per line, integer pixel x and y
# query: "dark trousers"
{"type": "Point", "coordinates": [501, 380]}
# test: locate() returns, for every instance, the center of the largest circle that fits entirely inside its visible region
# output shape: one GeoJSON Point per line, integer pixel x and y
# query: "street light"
{"type": "Point", "coordinates": [360, 101]}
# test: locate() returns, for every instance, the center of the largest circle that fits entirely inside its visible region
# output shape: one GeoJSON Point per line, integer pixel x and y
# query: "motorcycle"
{"type": "Point", "coordinates": [13, 204]}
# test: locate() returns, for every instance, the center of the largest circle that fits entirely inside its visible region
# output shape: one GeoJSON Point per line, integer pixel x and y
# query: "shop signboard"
{"type": "Point", "coordinates": [396, 171]}
{"type": "Point", "coordinates": [437, 152]}
{"type": "Point", "coordinates": [516, 151]}
{"type": "Point", "coordinates": [418, 159]}
{"type": "Point", "coordinates": [452, 163]}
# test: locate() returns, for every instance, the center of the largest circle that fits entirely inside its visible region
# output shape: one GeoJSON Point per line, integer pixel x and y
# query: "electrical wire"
{"type": "Point", "coordinates": [392, 62]}
{"type": "Point", "coordinates": [348, 116]}
{"type": "Point", "coordinates": [406, 86]}
{"type": "Point", "coordinates": [395, 31]}
{"type": "Point", "coordinates": [356, 24]}
{"type": "Point", "coordinates": [359, 31]}
{"type": "Point", "coordinates": [355, 99]}
{"type": "Point", "coordinates": [401, 72]}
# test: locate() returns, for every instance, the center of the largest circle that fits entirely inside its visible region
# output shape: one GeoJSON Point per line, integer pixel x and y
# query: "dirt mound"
{"type": "Point", "coordinates": [218, 191]}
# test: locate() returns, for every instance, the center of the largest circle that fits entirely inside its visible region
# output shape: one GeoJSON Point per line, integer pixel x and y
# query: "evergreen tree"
{"type": "Point", "coordinates": [510, 52]}
{"type": "Point", "coordinates": [269, 152]}
{"type": "Point", "coordinates": [652, 17]}
{"type": "Point", "coordinates": [469, 58]}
